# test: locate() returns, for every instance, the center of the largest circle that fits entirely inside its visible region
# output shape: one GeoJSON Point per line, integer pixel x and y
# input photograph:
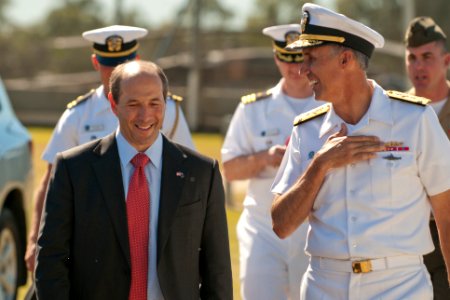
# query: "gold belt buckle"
{"type": "Point", "coordinates": [362, 266]}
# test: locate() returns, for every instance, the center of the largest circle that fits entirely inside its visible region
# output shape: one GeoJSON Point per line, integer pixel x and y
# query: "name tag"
{"type": "Point", "coordinates": [95, 127]}
{"type": "Point", "coordinates": [270, 132]}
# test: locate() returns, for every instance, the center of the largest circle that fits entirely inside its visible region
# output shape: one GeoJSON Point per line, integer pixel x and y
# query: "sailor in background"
{"type": "Point", "coordinates": [427, 60]}
{"type": "Point", "coordinates": [270, 268]}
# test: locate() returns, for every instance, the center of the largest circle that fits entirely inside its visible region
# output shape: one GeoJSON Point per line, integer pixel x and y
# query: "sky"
{"type": "Point", "coordinates": [25, 12]}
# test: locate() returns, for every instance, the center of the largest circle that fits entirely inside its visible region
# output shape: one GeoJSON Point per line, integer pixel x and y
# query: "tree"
{"type": "Point", "coordinates": [29, 50]}
{"type": "Point", "coordinates": [275, 12]}
{"type": "Point", "coordinates": [3, 5]}
{"type": "Point", "coordinates": [382, 15]}
{"type": "Point", "coordinates": [73, 17]}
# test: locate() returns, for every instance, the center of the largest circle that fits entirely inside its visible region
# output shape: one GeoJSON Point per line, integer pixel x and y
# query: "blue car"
{"type": "Point", "coordinates": [16, 179]}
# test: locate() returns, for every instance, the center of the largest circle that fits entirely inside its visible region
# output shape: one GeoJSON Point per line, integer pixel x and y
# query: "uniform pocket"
{"type": "Point", "coordinates": [266, 138]}
{"type": "Point", "coordinates": [392, 172]}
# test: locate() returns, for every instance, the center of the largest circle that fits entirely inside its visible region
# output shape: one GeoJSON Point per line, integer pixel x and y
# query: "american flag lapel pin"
{"type": "Point", "coordinates": [179, 174]}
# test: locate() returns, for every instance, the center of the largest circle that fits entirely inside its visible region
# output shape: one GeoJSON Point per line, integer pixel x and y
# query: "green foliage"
{"type": "Point", "coordinates": [385, 16]}
{"type": "Point", "coordinates": [23, 52]}
{"type": "Point", "coordinates": [213, 15]}
{"type": "Point", "coordinates": [72, 18]}
{"type": "Point", "coordinates": [275, 12]}
{"type": "Point", "coordinates": [30, 50]}
{"type": "Point", "coordinates": [26, 51]}
{"type": "Point", "coordinates": [3, 5]}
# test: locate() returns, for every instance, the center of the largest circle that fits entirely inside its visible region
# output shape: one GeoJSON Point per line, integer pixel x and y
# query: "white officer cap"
{"type": "Point", "coordinates": [321, 25]}
{"type": "Point", "coordinates": [283, 35]}
{"type": "Point", "coordinates": [115, 44]}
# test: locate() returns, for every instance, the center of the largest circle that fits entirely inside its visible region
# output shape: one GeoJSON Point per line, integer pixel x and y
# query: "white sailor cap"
{"type": "Point", "coordinates": [321, 25]}
{"type": "Point", "coordinates": [115, 44]}
{"type": "Point", "coordinates": [283, 35]}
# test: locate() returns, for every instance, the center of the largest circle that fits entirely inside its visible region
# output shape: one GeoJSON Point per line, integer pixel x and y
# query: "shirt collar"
{"type": "Point", "coordinates": [331, 121]}
{"type": "Point", "coordinates": [127, 152]}
{"type": "Point", "coordinates": [279, 105]}
{"type": "Point", "coordinates": [273, 106]}
{"type": "Point", "coordinates": [101, 101]}
{"type": "Point", "coordinates": [277, 90]}
{"type": "Point", "coordinates": [379, 110]}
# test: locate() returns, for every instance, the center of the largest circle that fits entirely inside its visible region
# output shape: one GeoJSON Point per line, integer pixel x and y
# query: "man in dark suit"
{"type": "Point", "coordinates": [91, 237]}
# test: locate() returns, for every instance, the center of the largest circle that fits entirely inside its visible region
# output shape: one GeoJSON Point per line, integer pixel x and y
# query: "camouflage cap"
{"type": "Point", "coordinates": [423, 30]}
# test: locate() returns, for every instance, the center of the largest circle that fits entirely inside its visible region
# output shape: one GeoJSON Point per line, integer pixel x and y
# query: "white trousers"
{"type": "Point", "coordinates": [270, 268]}
{"type": "Point", "coordinates": [410, 282]}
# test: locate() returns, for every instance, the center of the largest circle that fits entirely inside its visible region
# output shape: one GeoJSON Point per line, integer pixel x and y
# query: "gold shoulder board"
{"type": "Point", "coordinates": [175, 97]}
{"type": "Point", "coordinates": [255, 97]}
{"type": "Point", "coordinates": [312, 114]}
{"type": "Point", "coordinates": [396, 95]}
{"type": "Point", "coordinates": [80, 99]}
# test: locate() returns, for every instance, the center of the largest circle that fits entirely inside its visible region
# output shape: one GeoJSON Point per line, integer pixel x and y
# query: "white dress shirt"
{"type": "Point", "coordinates": [153, 172]}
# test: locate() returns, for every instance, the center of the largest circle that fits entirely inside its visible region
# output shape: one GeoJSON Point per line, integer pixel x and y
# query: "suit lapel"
{"type": "Point", "coordinates": [172, 180]}
{"type": "Point", "coordinates": [109, 174]}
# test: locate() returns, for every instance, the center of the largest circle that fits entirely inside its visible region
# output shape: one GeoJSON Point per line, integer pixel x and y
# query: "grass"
{"type": "Point", "coordinates": [207, 144]}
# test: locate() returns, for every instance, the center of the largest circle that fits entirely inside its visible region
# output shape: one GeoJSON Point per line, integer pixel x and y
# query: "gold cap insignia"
{"type": "Point", "coordinates": [114, 43]}
{"type": "Point", "coordinates": [291, 37]}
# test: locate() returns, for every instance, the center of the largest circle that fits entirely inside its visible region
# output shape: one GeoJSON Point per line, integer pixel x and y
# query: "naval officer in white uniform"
{"type": "Point", "coordinates": [270, 268]}
{"type": "Point", "coordinates": [365, 169]}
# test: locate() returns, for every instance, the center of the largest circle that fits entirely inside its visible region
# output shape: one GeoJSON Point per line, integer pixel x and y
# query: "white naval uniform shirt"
{"type": "Point", "coordinates": [258, 126]}
{"type": "Point", "coordinates": [380, 207]}
{"type": "Point", "coordinates": [94, 119]}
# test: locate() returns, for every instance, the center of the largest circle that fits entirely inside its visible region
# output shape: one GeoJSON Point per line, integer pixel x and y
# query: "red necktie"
{"type": "Point", "coordinates": [138, 216]}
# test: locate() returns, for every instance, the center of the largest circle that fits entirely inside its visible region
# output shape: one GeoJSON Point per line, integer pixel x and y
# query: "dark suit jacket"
{"type": "Point", "coordinates": [83, 250]}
